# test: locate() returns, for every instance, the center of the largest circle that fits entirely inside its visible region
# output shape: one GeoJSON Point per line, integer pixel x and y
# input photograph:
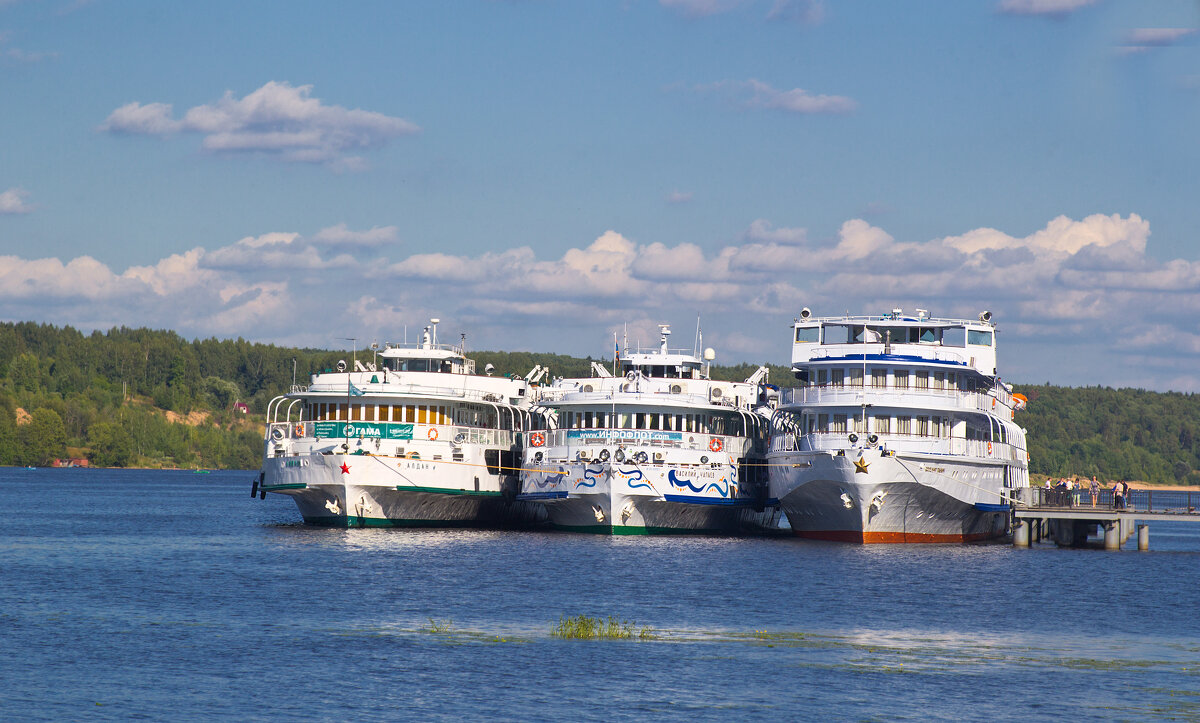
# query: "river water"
{"type": "Point", "coordinates": [175, 596]}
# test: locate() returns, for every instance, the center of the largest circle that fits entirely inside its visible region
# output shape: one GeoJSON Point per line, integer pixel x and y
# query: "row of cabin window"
{"type": "Point", "coordinates": [411, 414]}
{"type": "Point", "coordinates": [900, 379]}
{"type": "Point", "coordinates": [695, 423]}
{"type": "Point", "coordinates": [841, 423]}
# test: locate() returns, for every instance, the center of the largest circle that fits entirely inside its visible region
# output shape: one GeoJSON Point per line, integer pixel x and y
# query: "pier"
{"type": "Point", "coordinates": [1069, 519]}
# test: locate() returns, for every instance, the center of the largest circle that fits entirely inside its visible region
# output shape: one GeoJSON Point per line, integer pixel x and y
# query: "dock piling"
{"type": "Point", "coordinates": [1143, 537]}
{"type": "Point", "coordinates": [1021, 533]}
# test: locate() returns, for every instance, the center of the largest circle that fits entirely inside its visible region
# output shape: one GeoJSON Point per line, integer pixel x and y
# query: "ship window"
{"type": "Point", "coordinates": [823, 422]}
{"type": "Point", "coordinates": [587, 420]}
{"type": "Point", "coordinates": [410, 414]}
{"type": "Point", "coordinates": [822, 377]}
{"type": "Point", "coordinates": [858, 425]}
{"type": "Point", "coordinates": [837, 334]}
{"type": "Point", "coordinates": [883, 425]}
{"type": "Point", "coordinates": [879, 377]}
{"type": "Point", "coordinates": [903, 425]}
{"type": "Point", "coordinates": [837, 378]}
{"type": "Point", "coordinates": [653, 420]}
{"type": "Point", "coordinates": [923, 426]}
{"type": "Point", "coordinates": [369, 413]}
{"type": "Point", "coordinates": [839, 423]}
{"type": "Point", "coordinates": [900, 379]}
{"type": "Point", "coordinates": [343, 413]}
{"type": "Point", "coordinates": [939, 380]}
{"type": "Point", "coordinates": [808, 334]}
{"type": "Point", "coordinates": [856, 377]}
{"type": "Point", "coordinates": [954, 336]}
{"type": "Point", "coordinates": [422, 414]}
{"type": "Point", "coordinates": [922, 380]}
{"type": "Point", "coordinates": [356, 412]}
{"type": "Point", "coordinates": [979, 338]}
{"type": "Point", "coordinates": [929, 335]}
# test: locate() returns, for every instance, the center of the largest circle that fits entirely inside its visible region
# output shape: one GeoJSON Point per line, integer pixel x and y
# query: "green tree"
{"type": "Point", "coordinates": [111, 445]}
{"type": "Point", "coordinates": [43, 439]}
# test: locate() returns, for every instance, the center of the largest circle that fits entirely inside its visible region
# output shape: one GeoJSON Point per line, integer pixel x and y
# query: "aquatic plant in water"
{"type": "Point", "coordinates": [582, 627]}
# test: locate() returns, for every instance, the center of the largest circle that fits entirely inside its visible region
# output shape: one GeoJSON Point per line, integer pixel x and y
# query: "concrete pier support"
{"type": "Point", "coordinates": [1112, 535]}
{"type": "Point", "coordinates": [1021, 534]}
{"type": "Point", "coordinates": [1143, 537]}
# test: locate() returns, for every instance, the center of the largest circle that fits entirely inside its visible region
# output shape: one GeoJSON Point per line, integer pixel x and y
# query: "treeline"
{"type": "Point", "coordinates": [143, 397]}
{"type": "Point", "coordinates": [105, 396]}
{"type": "Point", "coordinates": [1128, 434]}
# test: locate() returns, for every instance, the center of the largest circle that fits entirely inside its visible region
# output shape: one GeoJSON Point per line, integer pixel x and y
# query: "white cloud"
{"type": "Point", "coordinates": [1058, 8]}
{"type": "Point", "coordinates": [679, 197]}
{"type": "Point", "coordinates": [1084, 289]}
{"type": "Point", "coordinates": [1158, 36]}
{"type": "Point", "coordinates": [1141, 40]}
{"type": "Point", "coordinates": [278, 120]}
{"type": "Point", "coordinates": [13, 201]}
{"type": "Point", "coordinates": [757, 94]}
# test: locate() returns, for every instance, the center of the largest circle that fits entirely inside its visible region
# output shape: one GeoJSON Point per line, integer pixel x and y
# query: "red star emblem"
{"type": "Point", "coordinates": [345, 468]}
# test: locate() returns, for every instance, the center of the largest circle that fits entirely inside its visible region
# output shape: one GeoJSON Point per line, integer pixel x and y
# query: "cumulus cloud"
{"type": "Point", "coordinates": [14, 201]}
{"type": "Point", "coordinates": [1056, 8]}
{"type": "Point", "coordinates": [757, 94]}
{"type": "Point", "coordinates": [278, 120]}
{"type": "Point", "coordinates": [1085, 289]}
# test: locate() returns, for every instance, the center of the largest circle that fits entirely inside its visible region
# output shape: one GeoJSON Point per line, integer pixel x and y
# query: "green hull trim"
{"type": "Point", "coordinates": [444, 491]}
{"type": "Point", "coordinates": [276, 488]}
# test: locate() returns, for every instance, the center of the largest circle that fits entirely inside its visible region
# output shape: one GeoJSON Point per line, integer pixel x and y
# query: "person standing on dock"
{"type": "Point", "coordinates": [1094, 488]}
{"type": "Point", "coordinates": [1118, 492]}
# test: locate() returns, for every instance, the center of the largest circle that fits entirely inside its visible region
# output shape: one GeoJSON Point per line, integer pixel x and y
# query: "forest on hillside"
{"type": "Point", "coordinates": [142, 397]}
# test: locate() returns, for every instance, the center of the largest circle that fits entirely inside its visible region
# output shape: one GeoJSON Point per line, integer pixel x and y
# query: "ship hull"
{"type": "Point", "coordinates": [631, 500]}
{"type": "Point", "coordinates": [893, 500]}
{"type": "Point", "coordinates": [378, 491]}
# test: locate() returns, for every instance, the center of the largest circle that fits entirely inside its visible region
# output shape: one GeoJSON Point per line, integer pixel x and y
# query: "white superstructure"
{"type": "Point", "coordinates": [658, 448]}
{"type": "Point", "coordinates": [901, 430]}
{"type": "Point", "coordinates": [414, 437]}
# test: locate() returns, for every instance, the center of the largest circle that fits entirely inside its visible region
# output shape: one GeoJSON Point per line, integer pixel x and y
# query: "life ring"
{"type": "Point", "coordinates": [537, 439]}
{"type": "Point", "coordinates": [300, 430]}
{"type": "Point", "coordinates": [714, 445]}
{"type": "Point", "coordinates": [432, 434]}
{"type": "Point", "coordinates": [989, 447]}
{"type": "Point", "coordinates": [993, 402]}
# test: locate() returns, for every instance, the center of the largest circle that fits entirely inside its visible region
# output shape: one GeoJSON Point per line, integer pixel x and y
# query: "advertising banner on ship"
{"type": "Point", "coordinates": [624, 435]}
{"type": "Point", "coordinates": [365, 430]}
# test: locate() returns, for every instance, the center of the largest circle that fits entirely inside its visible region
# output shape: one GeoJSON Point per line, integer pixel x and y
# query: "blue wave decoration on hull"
{"type": "Point", "coordinates": [634, 478]}
{"type": "Point", "coordinates": [681, 483]}
{"type": "Point", "coordinates": [590, 477]}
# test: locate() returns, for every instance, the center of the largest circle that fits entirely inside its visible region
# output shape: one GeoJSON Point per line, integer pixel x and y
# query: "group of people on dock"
{"type": "Point", "coordinates": [1066, 492]}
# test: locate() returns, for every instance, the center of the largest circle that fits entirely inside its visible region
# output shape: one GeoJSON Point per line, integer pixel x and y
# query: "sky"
{"type": "Point", "coordinates": [542, 174]}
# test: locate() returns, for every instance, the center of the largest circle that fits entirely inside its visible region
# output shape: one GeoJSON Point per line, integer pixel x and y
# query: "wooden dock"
{"type": "Point", "coordinates": [1069, 520]}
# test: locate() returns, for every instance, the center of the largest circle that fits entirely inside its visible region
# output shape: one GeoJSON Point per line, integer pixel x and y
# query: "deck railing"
{"type": "Point", "coordinates": [1182, 501]}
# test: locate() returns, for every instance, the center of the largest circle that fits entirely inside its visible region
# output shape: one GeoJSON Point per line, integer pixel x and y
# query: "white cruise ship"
{"type": "Point", "coordinates": [901, 431]}
{"type": "Point", "coordinates": [658, 448]}
{"type": "Point", "coordinates": [414, 438]}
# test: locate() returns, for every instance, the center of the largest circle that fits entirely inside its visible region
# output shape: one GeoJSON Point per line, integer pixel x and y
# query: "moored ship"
{"type": "Point", "coordinates": [901, 431]}
{"type": "Point", "coordinates": [657, 448]}
{"type": "Point", "coordinates": [413, 438]}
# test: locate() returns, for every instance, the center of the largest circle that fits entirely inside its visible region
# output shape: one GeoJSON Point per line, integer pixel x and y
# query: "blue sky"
{"type": "Point", "coordinates": [540, 173]}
